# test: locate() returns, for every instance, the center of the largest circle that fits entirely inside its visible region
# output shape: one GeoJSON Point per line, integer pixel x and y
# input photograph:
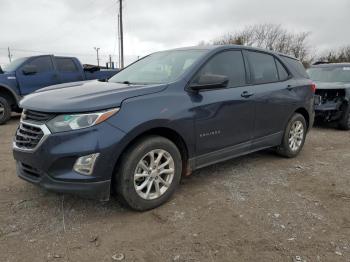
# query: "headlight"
{"type": "Point", "coordinates": [69, 122]}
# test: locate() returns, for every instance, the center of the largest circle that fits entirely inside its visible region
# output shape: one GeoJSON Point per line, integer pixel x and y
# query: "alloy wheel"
{"type": "Point", "coordinates": [154, 174]}
{"type": "Point", "coordinates": [296, 135]}
{"type": "Point", "coordinates": [2, 110]}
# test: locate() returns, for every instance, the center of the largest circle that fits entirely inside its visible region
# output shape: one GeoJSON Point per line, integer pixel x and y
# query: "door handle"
{"type": "Point", "coordinates": [246, 94]}
{"type": "Point", "coordinates": [290, 87]}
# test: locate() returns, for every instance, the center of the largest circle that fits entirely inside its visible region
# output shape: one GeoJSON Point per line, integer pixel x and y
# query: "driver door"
{"type": "Point", "coordinates": [224, 118]}
{"type": "Point", "coordinates": [44, 75]}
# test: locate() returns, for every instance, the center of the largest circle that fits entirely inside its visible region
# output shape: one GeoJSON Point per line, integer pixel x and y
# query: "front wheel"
{"type": "Point", "coordinates": [149, 173]}
{"type": "Point", "coordinates": [294, 137]}
{"type": "Point", "coordinates": [5, 110]}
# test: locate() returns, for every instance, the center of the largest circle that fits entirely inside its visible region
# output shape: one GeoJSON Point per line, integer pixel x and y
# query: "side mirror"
{"type": "Point", "coordinates": [210, 81]}
{"type": "Point", "coordinates": [29, 70]}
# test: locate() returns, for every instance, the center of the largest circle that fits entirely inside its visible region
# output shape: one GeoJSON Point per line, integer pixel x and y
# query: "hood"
{"type": "Point", "coordinates": [332, 85]}
{"type": "Point", "coordinates": [84, 96]}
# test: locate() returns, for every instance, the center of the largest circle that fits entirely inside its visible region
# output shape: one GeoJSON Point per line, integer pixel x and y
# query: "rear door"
{"type": "Point", "coordinates": [68, 70]}
{"type": "Point", "coordinates": [273, 96]}
{"type": "Point", "coordinates": [45, 75]}
{"type": "Point", "coordinates": [223, 118]}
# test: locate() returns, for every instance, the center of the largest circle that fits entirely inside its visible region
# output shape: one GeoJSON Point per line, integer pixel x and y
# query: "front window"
{"type": "Point", "coordinates": [229, 64]}
{"type": "Point", "coordinates": [330, 74]}
{"type": "Point", "coordinates": [14, 64]}
{"type": "Point", "coordinates": [42, 64]}
{"type": "Point", "coordinates": [158, 68]}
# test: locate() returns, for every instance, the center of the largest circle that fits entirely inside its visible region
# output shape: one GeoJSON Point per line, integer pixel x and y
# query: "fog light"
{"type": "Point", "coordinates": [85, 164]}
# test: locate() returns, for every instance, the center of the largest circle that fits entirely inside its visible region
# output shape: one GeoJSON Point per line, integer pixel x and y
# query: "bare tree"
{"type": "Point", "coordinates": [340, 55]}
{"type": "Point", "coordinates": [272, 37]}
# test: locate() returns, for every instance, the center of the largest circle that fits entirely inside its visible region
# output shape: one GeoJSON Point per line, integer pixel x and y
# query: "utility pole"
{"type": "Point", "coordinates": [119, 62]}
{"type": "Point", "coordinates": [110, 62]}
{"type": "Point", "coordinates": [9, 54]}
{"type": "Point", "coordinates": [97, 49]}
{"type": "Point", "coordinates": [121, 44]}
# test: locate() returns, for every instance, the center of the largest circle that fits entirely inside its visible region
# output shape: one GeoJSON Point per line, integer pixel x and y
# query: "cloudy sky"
{"type": "Point", "coordinates": [74, 27]}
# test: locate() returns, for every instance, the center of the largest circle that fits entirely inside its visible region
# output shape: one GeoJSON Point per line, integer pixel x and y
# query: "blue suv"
{"type": "Point", "coordinates": [162, 117]}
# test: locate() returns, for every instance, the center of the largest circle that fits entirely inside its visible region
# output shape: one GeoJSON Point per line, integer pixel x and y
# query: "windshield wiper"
{"type": "Point", "coordinates": [126, 82]}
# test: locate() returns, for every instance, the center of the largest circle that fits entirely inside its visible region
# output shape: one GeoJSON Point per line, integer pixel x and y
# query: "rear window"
{"type": "Point", "coordinates": [263, 68]}
{"type": "Point", "coordinates": [296, 65]}
{"type": "Point", "coordinates": [66, 65]}
{"type": "Point", "coordinates": [330, 74]}
{"type": "Point", "coordinates": [282, 72]}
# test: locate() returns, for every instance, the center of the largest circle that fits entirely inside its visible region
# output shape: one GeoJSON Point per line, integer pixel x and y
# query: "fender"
{"type": "Point", "coordinates": [146, 127]}
{"type": "Point", "coordinates": [14, 94]}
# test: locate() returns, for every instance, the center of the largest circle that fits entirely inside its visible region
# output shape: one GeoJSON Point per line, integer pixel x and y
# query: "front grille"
{"type": "Point", "coordinates": [331, 94]}
{"type": "Point", "coordinates": [37, 116]}
{"type": "Point", "coordinates": [28, 136]}
{"type": "Point", "coordinates": [28, 170]}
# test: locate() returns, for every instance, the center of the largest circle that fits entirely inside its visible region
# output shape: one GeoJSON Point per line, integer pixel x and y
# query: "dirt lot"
{"type": "Point", "coordinates": [255, 208]}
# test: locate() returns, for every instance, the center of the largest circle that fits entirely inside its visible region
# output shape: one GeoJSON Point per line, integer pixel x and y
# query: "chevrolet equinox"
{"type": "Point", "coordinates": [162, 117]}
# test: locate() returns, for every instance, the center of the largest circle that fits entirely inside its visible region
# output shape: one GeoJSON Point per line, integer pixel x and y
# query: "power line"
{"type": "Point", "coordinates": [50, 52]}
{"type": "Point", "coordinates": [62, 23]}
{"type": "Point", "coordinates": [90, 19]}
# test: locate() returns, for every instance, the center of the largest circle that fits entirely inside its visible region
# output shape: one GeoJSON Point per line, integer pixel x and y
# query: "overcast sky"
{"type": "Point", "coordinates": [74, 27]}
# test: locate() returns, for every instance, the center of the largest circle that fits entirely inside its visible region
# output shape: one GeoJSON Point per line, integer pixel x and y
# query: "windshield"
{"type": "Point", "coordinates": [14, 64]}
{"type": "Point", "coordinates": [158, 68]}
{"type": "Point", "coordinates": [330, 74]}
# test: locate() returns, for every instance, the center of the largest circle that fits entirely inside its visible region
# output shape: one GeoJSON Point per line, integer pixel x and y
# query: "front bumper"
{"type": "Point", "coordinates": [329, 106]}
{"type": "Point", "coordinates": [330, 110]}
{"type": "Point", "coordinates": [95, 190]}
{"type": "Point", "coordinates": [50, 165]}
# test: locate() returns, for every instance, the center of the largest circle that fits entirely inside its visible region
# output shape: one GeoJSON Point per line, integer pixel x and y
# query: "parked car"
{"type": "Point", "coordinates": [26, 75]}
{"type": "Point", "coordinates": [164, 116]}
{"type": "Point", "coordinates": [333, 89]}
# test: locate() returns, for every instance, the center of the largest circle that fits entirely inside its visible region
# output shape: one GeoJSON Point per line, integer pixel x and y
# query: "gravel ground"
{"type": "Point", "coordinates": [254, 208]}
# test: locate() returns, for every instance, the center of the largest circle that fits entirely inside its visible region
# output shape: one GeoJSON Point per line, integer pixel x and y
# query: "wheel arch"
{"type": "Point", "coordinates": [9, 94]}
{"type": "Point", "coordinates": [305, 114]}
{"type": "Point", "coordinates": [166, 132]}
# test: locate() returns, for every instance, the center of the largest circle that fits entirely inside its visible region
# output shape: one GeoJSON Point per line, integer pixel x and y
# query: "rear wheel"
{"type": "Point", "coordinates": [294, 137]}
{"type": "Point", "coordinates": [149, 173]}
{"type": "Point", "coordinates": [5, 110]}
{"type": "Point", "coordinates": [344, 122]}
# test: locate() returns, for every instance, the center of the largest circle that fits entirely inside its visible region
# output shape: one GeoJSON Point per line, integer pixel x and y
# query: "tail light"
{"type": "Point", "coordinates": [313, 88]}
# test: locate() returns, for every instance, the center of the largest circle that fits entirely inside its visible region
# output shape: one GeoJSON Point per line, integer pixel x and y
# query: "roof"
{"type": "Point", "coordinates": [223, 47]}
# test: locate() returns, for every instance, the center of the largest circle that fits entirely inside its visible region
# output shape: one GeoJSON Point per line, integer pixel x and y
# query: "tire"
{"type": "Point", "coordinates": [5, 110]}
{"type": "Point", "coordinates": [136, 160]}
{"type": "Point", "coordinates": [344, 122]}
{"type": "Point", "coordinates": [287, 148]}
